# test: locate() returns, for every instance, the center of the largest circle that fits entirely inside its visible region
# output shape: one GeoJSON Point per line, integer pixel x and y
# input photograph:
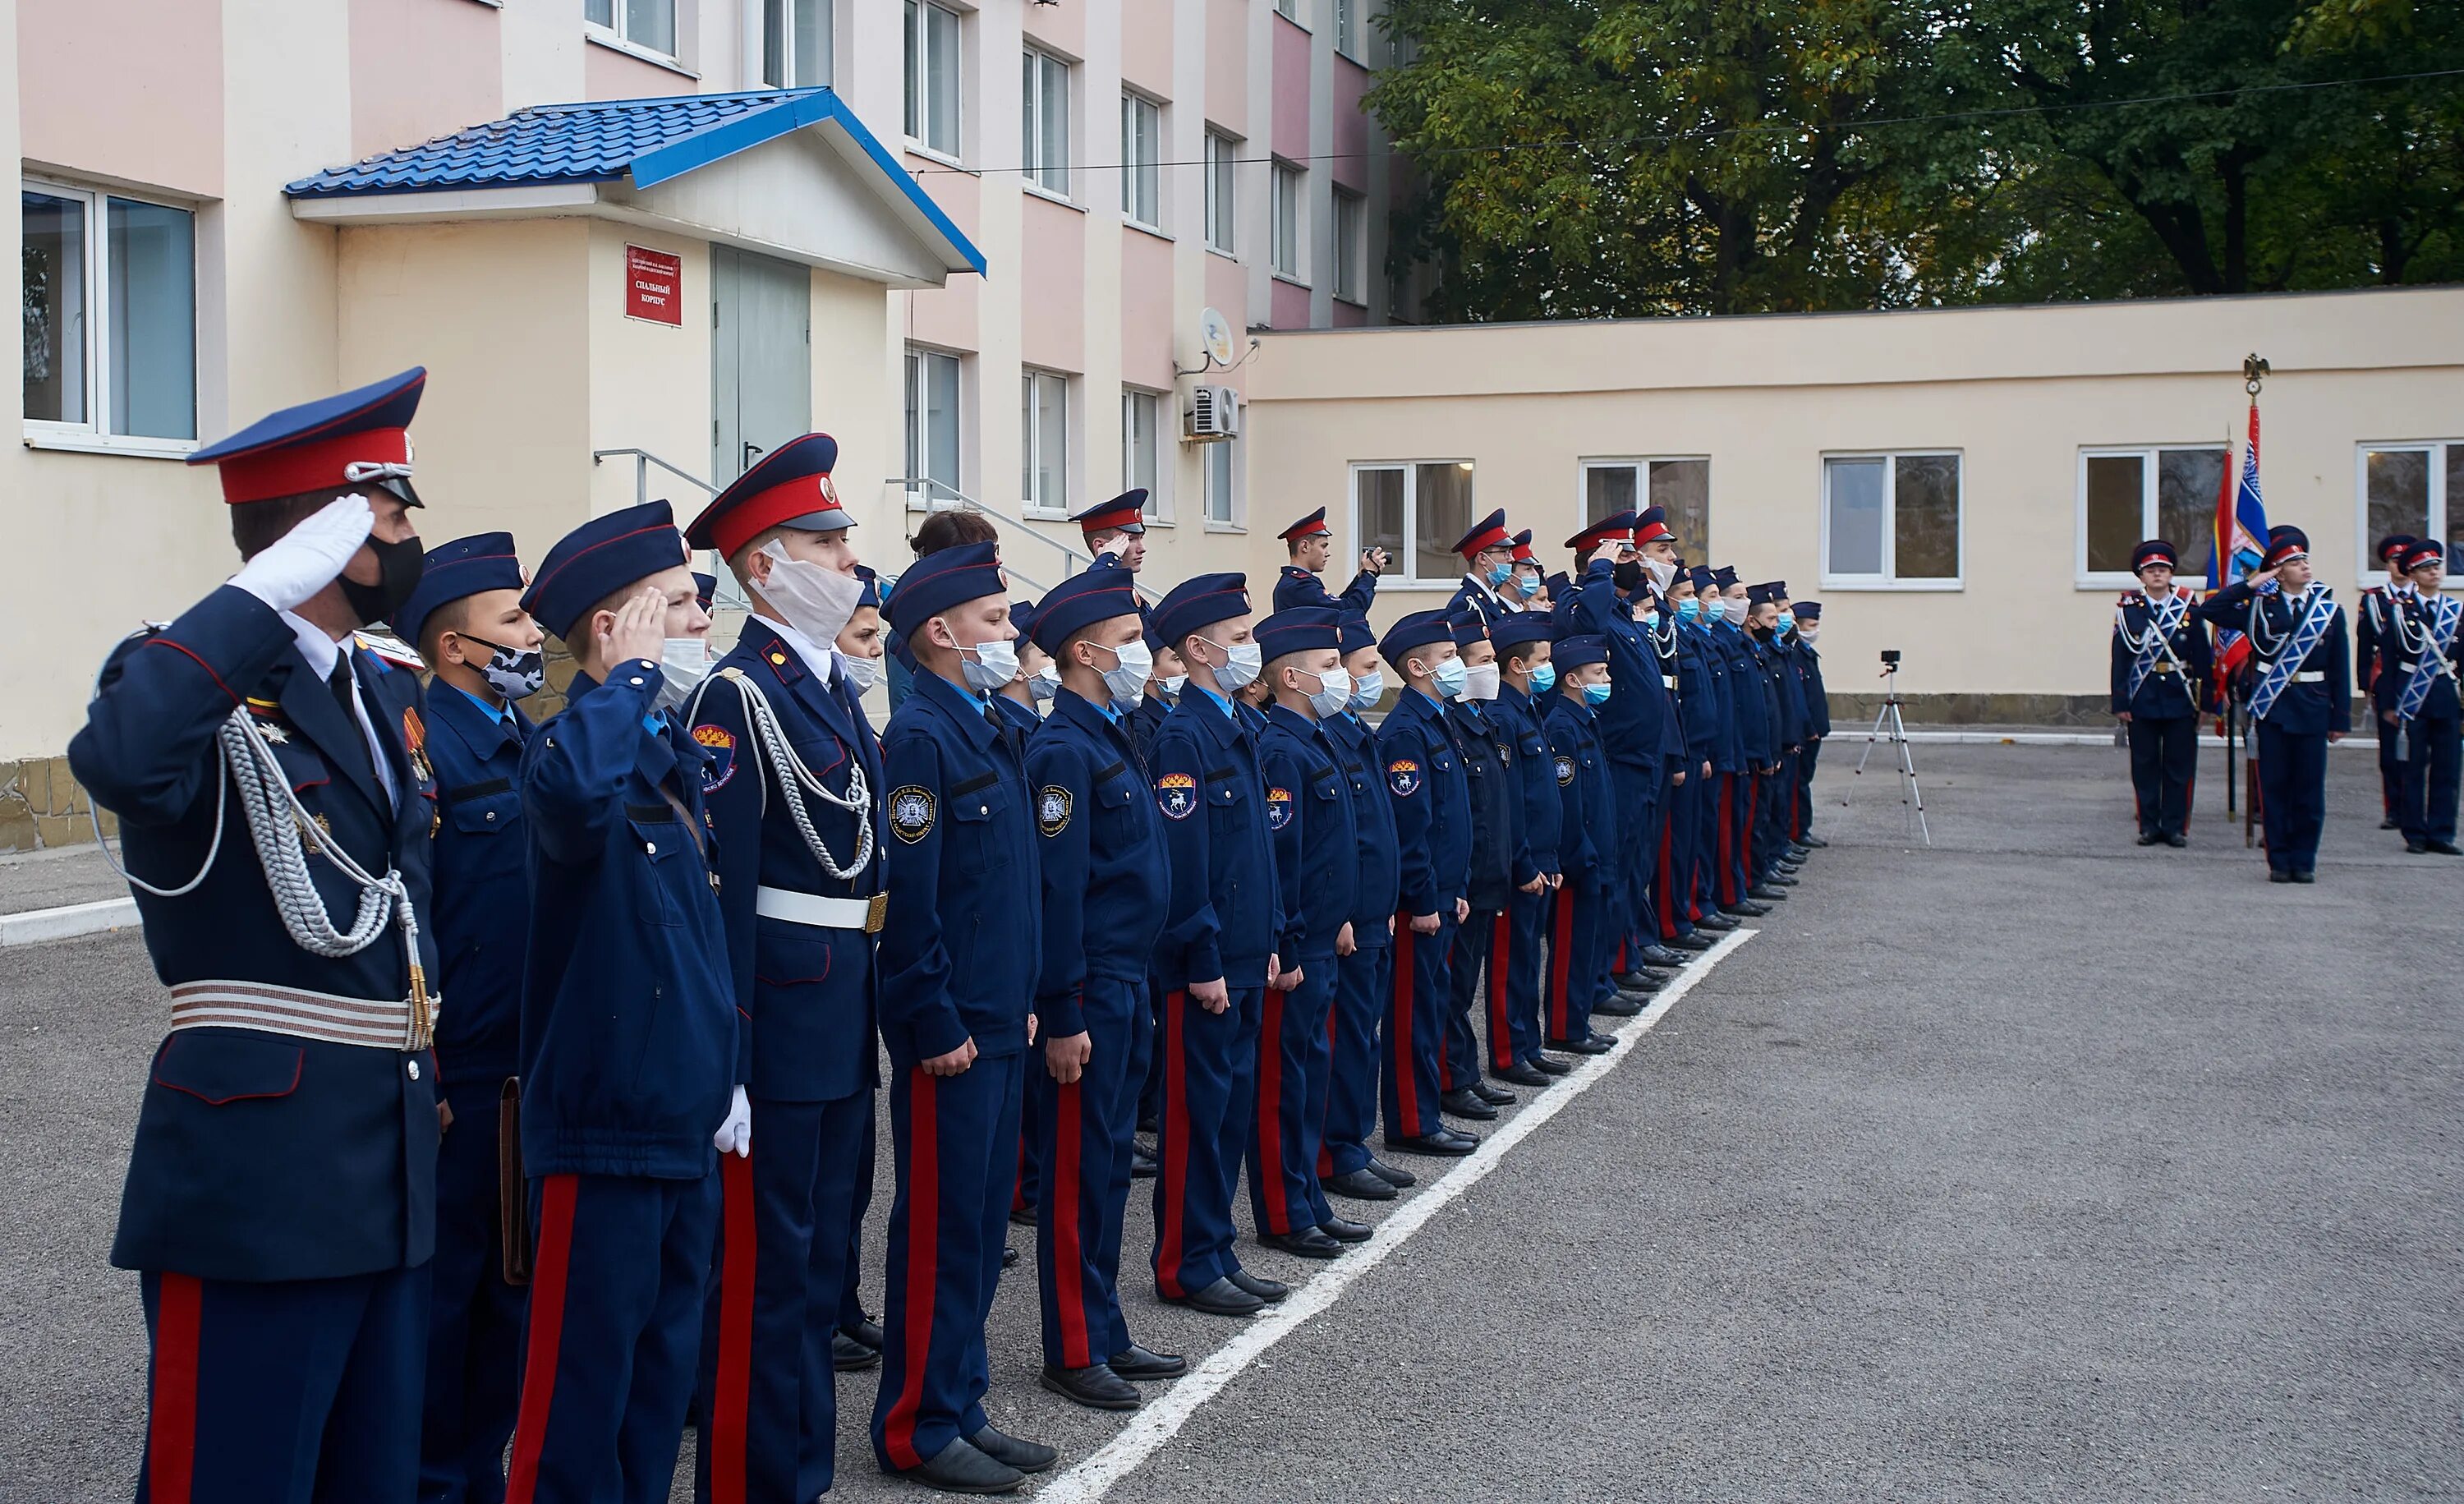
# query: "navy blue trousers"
{"type": "Point", "coordinates": [1293, 1062]}
{"type": "Point", "coordinates": [954, 1144]}
{"type": "Point", "coordinates": [2391, 760]}
{"type": "Point", "coordinates": [850, 1287]}
{"type": "Point", "coordinates": [475, 1319]}
{"type": "Point", "coordinates": [1806, 758]}
{"type": "Point", "coordinates": [1467, 965]}
{"type": "Point", "coordinates": [2430, 749]}
{"type": "Point", "coordinates": [300, 1389]}
{"type": "Point", "coordinates": [1527, 935]}
{"type": "Point", "coordinates": [1735, 817]}
{"type": "Point", "coordinates": [1351, 1031]}
{"type": "Point", "coordinates": [1674, 878]}
{"type": "Point", "coordinates": [615, 1322]}
{"type": "Point", "coordinates": [1772, 791]}
{"type": "Point", "coordinates": [1083, 1133]}
{"type": "Point", "coordinates": [1210, 1069]}
{"type": "Point", "coordinates": [2163, 764]}
{"type": "Point", "coordinates": [2293, 796]}
{"type": "Point", "coordinates": [772, 1426]}
{"type": "Point", "coordinates": [1582, 942]}
{"type": "Point", "coordinates": [1638, 858]}
{"type": "Point", "coordinates": [1415, 1027]}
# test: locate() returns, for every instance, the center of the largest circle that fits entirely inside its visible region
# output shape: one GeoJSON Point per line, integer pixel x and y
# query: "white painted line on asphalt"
{"type": "Point", "coordinates": [2042, 738]}
{"type": "Point", "coordinates": [1160, 1421]}
{"type": "Point", "coordinates": [65, 924]}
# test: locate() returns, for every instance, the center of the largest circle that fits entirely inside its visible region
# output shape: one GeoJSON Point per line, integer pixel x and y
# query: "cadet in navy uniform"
{"type": "Point", "coordinates": [634, 1056]}
{"type": "Point", "coordinates": [1309, 542]}
{"type": "Point", "coordinates": [1019, 699]}
{"type": "Point", "coordinates": [1118, 527]}
{"type": "Point", "coordinates": [1499, 866]}
{"type": "Point", "coordinates": [1582, 922]}
{"type": "Point", "coordinates": [1637, 727]}
{"type": "Point", "coordinates": [2161, 667]}
{"type": "Point", "coordinates": [1526, 681]}
{"type": "Point", "coordinates": [1682, 863]}
{"type": "Point", "coordinates": [1164, 684]}
{"type": "Point", "coordinates": [1217, 949]}
{"type": "Point", "coordinates": [798, 890]}
{"type": "Point", "coordinates": [1345, 1165]}
{"type": "Point", "coordinates": [958, 982]}
{"type": "Point", "coordinates": [863, 649]}
{"type": "Point", "coordinates": [1526, 586]}
{"type": "Point", "coordinates": [2302, 668]}
{"type": "Point", "coordinates": [1817, 709]}
{"type": "Point", "coordinates": [1758, 735]}
{"type": "Point", "coordinates": [280, 1193]}
{"type": "Point", "coordinates": [468, 622]}
{"type": "Point", "coordinates": [2371, 625]}
{"type": "Point", "coordinates": [1711, 725]}
{"type": "Point", "coordinates": [1489, 560]}
{"type": "Point", "coordinates": [1429, 790]}
{"type": "Point", "coordinates": [2418, 672]}
{"type": "Point", "coordinates": [1317, 867]}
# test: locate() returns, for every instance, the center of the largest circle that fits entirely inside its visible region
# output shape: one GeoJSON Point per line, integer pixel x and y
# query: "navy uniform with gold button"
{"type": "Point", "coordinates": [1300, 586]}
{"type": "Point", "coordinates": [800, 879]}
{"type": "Point", "coordinates": [1499, 866]}
{"type": "Point", "coordinates": [1488, 571]}
{"type": "Point", "coordinates": [280, 1193]}
{"type": "Point", "coordinates": [1431, 797]}
{"type": "Point", "coordinates": [2301, 665]}
{"type": "Point", "coordinates": [2160, 668]}
{"type": "Point", "coordinates": [1514, 1039]}
{"type": "Point", "coordinates": [1637, 725]}
{"type": "Point", "coordinates": [1582, 930]}
{"type": "Point", "coordinates": [482, 923]}
{"type": "Point", "coordinates": [1361, 978]}
{"type": "Point", "coordinates": [2418, 665]}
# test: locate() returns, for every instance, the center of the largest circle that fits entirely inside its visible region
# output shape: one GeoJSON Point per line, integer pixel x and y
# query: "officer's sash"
{"type": "Point", "coordinates": [2438, 655]}
{"type": "Point", "coordinates": [2164, 619]}
{"type": "Point", "coordinates": [2306, 636]}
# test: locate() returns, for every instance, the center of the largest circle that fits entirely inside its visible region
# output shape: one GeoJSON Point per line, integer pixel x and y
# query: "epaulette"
{"type": "Point", "coordinates": [388, 651]}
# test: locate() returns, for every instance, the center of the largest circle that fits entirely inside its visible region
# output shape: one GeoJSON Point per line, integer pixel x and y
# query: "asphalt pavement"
{"type": "Point", "coordinates": [2028, 1165]}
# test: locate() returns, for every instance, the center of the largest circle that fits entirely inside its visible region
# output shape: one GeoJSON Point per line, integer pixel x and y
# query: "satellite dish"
{"type": "Point", "coordinates": [1215, 334]}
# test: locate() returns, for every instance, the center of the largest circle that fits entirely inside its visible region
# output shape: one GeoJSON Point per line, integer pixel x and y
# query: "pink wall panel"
{"type": "Point", "coordinates": [1227, 63]}
{"type": "Point", "coordinates": [1349, 316]}
{"type": "Point", "coordinates": [1060, 26]}
{"type": "Point", "coordinates": [127, 89]}
{"type": "Point", "coordinates": [420, 70]}
{"type": "Point", "coordinates": [947, 315]}
{"type": "Point", "coordinates": [1290, 303]}
{"type": "Point", "coordinates": [1290, 132]}
{"type": "Point", "coordinates": [1351, 162]}
{"type": "Point", "coordinates": [1148, 327]}
{"type": "Point", "coordinates": [960, 194]}
{"type": "Point", "coordinates": [1146, 46]}
{"type": "Point", "coordinates": [1052, 285]}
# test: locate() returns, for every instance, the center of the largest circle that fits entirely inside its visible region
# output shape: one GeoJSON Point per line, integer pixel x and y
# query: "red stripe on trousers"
{"type": "Point", "coordinates": [732, 1392]}
{"type": "Point", "coordinates": [1501, 945]}
{"type": "Point", "coordinates": [1666, 908]}
{"type": "Point", "coordinates": [923, 1265]}
{"type": "Point", "coordinates": [1561, 945]}
{"type": "Point", "coordinates": [1727, 840]}
{"type": "Point", "coordinates": [1060, 1195]}
{"type": "Point", "coordinates": [171, 1420]}
{"type": "Point", "coordinates": [1176, 1153]}
{"type": "Point", "coordinates": [548, 1270]}
{"type": "Point", "coordinates": [1407, 1083]}
{"type": "Point", "coordinates": [1271, 1111]}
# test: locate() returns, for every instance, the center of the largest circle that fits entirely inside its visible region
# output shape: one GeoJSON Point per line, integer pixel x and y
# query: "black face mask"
{"type": "Point", "coordinates": [1628, 574]}
{"type": "Point", "coordinates": [399, 567]}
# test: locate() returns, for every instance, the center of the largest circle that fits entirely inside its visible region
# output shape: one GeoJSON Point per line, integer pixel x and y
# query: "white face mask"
{"type": "Point", "coordinates": [1245, 661]}
{"type": "Point", "coordinates": [1127, 679]}
{"type": "Point", "coordinates": [815, 600]}
{"type": "Point", "coordinates": [1334, 693]}
{"type": "Point", "coordinates": [862, 674]}
{"type": "Point", "coordinates": [1663, 570]}
{"type": "Point", "coordinates": [989, 666]}
{"type": "Point", "coordinates": [1480, 681]}
{"type": "Point", "coordinates": [683, 664]}
{"type": "Point", "coordinates": [1366, 689]}
{"type": "Point", "coordinates": [1043, 683]}
{"type": "Point", "coordinates": [1808, 633]}
{"type": "Point", "coordinates": [1171, 685]}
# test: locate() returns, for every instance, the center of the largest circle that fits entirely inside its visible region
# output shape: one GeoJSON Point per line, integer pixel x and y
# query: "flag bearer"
{"type": "Point", "coordinates": [2302, 700]}
{"type": "Point", "coordinates": [2160, 680]}
{"type": "Point", "coordinates": [2419, 661]}
{"type": "Point", "coordinates": [1362, 979]}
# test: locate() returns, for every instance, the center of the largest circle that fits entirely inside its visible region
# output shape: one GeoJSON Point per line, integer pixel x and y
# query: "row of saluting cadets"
{"type": "Point", "coordinates": [2294, 682]}
{"type": "Point", "coordinates": [445, 1180]}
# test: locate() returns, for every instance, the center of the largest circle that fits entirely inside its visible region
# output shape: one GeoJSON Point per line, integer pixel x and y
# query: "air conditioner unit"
{"type": "Point", "coordinates": [1214, 415]}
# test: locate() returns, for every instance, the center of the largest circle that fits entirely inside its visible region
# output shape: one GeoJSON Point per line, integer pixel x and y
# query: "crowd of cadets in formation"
{"type": "Point", "coordinates": [517, 1104]}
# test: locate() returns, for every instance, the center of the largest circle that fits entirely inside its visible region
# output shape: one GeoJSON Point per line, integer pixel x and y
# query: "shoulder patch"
{"type": "Point", "coordinates": [1052, 809]}
{"type": "Point", "coordinates": [389, 652]}
{"type": "Point", "coordinates": [1279, 808]}
{"type": "Point", "coordinates": [720, 743]}
{"type": "Point", "coordinates": [910, 812]}
{"type": "Point", "coordinates": [1403, 776]}
{"type": "Point", "coordinates": [1565, 769]}
{"type": "Point", "coordinates": [1176, 795]}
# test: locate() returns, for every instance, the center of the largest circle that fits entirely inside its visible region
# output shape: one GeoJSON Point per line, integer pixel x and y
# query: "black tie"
{"type": "Point", "coordinates": [353, 754]}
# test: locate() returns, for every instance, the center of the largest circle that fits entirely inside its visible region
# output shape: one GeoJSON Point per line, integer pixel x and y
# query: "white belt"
{"type": "Point", "coordinates": [2407, 665]}
{"type": "Point", "coordinates": [2310, 677]}
{"type": "Point", "coordinates": [295, 1012]}
{"type": "Point", "coordinates": [863, 914]}
{"type": "Point", "coordinates": [1668, 680]}
{"type": "Point", "coordinates": [2163, 668]}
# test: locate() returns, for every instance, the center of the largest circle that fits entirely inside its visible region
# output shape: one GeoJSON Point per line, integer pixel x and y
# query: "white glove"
{"type": "Point", "coordinates": [735, 1135]}
{"type": "Point", "coordinates": [309, 557]}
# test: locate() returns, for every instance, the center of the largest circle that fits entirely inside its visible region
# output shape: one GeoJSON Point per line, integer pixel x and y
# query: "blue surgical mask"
{"type": "Point", "coordinates": [1713, 609]}
{"type": "Point", "coordinates": [1526, 585]}
{"type": "Point", "coordinates": [1689, 610]}
{"type": "Point", "coordinates": [1366, 689]}
{"type": "Point", "coordinates": [1786, 624]}
{"type": "Point", "coordinates": [1544, 678]}
{"type": "Point", "coordinates": [1450, 675]}
{"type": "Point", "coordinates": [1499, 574]}
{"type": "Point", "coordinates": [1595, 695]}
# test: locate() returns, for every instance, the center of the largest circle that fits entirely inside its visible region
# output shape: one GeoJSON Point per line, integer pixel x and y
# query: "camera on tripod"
{"type": "Point", "coordinates": [1890, 657]}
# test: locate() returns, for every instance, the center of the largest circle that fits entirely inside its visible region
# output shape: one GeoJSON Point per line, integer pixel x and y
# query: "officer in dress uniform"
{"type": "Point", "coordinates": [2371, 627]}
{"type": "Point", "coordinates": [1428, 790]}
{"type": "Point", "coordinates": [1817, 709]}
{"type": "Point", "coordinates": [2161, 670]}
{"type": "Point", "coordinates": [1118, 527]}
{"type": "Point", "coordinates": [1500, 867]}
{"type": "Point", "coordinates": [1345, 1165]}
{"type": "Point", "coordinates": [1102, 858]}
{"type": "Point", "coordinates": [467, 620]}
{"type": "Point", "coordinates": [1488, 559]}
{"type": "Point", "coordinates": [2418, 667]}
{"type": "Point", "coordinates": [1318, 863]}
{"type": "Point", "coordinates": [1582, 921]}
{"type": "Point", "coordinates": [1217, 951]}
{"type": "Point", "coordinates": [279, 1205]}
{"type": "Point", "coordinates": [957, 979]}
{"type": "Point", "coordinates": [1311, 544]}
{"type": "Point", "coordinates": [1526, 679]}
{"type": "Point", "coordinates": [2302, 699]}
{"type": "Point", "coordinates": [799, 885]}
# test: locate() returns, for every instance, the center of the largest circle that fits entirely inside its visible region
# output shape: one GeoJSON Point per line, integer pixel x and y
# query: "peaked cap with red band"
{"type": "Point", "coordinates": [1615, 526]}
{"type": "Point", "coordinates": [1523, 553]}
{"type": "Point", "coordinates": [789, 487]}
{"type": "Point", "coordinates": [1312, 525]}
{"type": "Point", "coordinates": [2284, 542]}
{"type": "Point", "coordinates": [1489, 532]}
{"type": "Point", "coordinates": [1651, 524]}
{"type": "Point", "coordinates": [2421, 551]}
{"type": "Point", "coordinates": [1125, 513]}
{"type": "Point", "coordinates": [314, 446]}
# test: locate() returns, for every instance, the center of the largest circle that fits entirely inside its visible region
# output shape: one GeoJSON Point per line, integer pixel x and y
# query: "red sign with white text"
{"type": "Point", "coordinates": [654, 282]}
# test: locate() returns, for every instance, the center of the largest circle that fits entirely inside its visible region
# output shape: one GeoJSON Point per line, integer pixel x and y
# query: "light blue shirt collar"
{"type": "Point", "coordinates": [496, 713]}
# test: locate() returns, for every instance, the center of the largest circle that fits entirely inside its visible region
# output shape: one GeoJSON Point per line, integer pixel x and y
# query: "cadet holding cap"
{"type": "Point", "coordinates": [2373, 624]}
{"type": "Point", "coordinates": [1582, 921]}
{"type": "Point", "coordinates": [2302, 700]}
{"type": "Point", "coordinates": [1311, 544]}
{"type": "Point", "coordinates": [2161, 667]}
{"type": "Point", "coordinates": [2418, 670]}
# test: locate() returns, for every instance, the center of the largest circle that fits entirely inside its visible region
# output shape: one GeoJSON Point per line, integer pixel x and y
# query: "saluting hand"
{"type": "Point", "coordinates": [1066, 1055]}
{"type": "Point", "coordinates": [310, 556]}
{"type": "Point", "coordinates": [955, 1062]}
{"type": "Point", "coordinates": [637, 630]}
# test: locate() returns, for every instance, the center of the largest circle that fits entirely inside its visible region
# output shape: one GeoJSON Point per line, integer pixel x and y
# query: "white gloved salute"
{"type": "Point", "coordinates": [735, 1135]}
{"type": "Point", "coordinates": [309, 557]}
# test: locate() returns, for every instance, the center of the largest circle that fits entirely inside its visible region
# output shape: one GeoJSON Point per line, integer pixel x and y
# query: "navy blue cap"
{"type": "Point", "coordinates": [462, 567]}
{"type": "Point", "coordinates": [1489, 532]}
{"type": "Point", "coordinates": [600, 557]}
{"type": "Point", "coordinates": [2392, 543]}
{"type": "Point", "coordinates": [2281, 542]}
{"type": "Point", "coordinates": [1021, 616]}
{"type": "Point", "coordinates": [705, 587]}
{"type": "Point", "coordinates": [1416, 631]}
{"type": "Point", "coordinates": [1102, 591]}
{"type": "Point", "coordinates": [1301, 629]}
{"type": "Point", "coordinates": [2420, 551]}
{"type": "Point", "coordinates": [1617, 524]}
{"type": "Point", "coordinates": [1773, 590]}
{"type": "Point", "coordinates": [1573, 652]}
{"type": "Point", "coordinates": [1758, 595]}
{"type": "Point", "coordinates": [1125, 513]}
{"type": "Point", "coordinates": [871, 593]}
{"type": "Point", "coordinates": [1703, 577]}
{"type": "Point", "coordinates": [1725, 576]}
{"type": "Point", "coordinates": [1312, 525]}
{"type": "Point", "coordinates": [1198, 602]}
{"type": "Point", "coordinates": [1358, 634]}
{"type": "Point", "coordinates": [2155, 549]}
{"type": "Point", "coordinates": [1650, 523]}
{"type": "Point", "coordinates": [1514, 629]}
{"type": "Point", "coordinates": [1807, 610]}
{"type": "Point", "coordinates": [938, 581]}
{"type": "Point", "coordinates": [1468, 628]}
{"type": "Point", "coordinates": [1559, 586]}
{"type": "Point", "coordinates": [314, 446]}
{"type": "Point", "coordinates": [788, 487]}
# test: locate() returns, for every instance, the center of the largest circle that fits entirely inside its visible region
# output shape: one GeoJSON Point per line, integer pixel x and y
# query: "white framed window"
{"type": "Point", "coordinates": [1351, 247]}
{"type": "Point", "coordinates": [1142, 444]}
{"type": "Point", "coordinates": [2153, 491]}
{"type": "Point", "coordinates": [1290, 235]}
{"type": "Point", "coordinates": [933, 76]}
{"type": "Point", "coordinates": [1891, 521]}
{"type": "Point", "coordinates": [1224, 474]}
{"type": "Point", "coordinates": [2414, 487]}
{"type": "Point", "coordinates": [1288, 10]}
{"type": "Point", "coordinates": [1141, 161]}
{"type": "Point", "coordinates": [1222, 201]}
{"type": "Point", "coordinates": [796, 43]}
{"type": "Point", "coordinates": [932, 428]}
{"type": "Point", "coordinates": [1347, 29]}
{"type": "Point", "coordinates": [1678, 484]}
{"type": "Point", "coordinates": [649, 25]}
{"type": "Point", "coordinates": [1415, 510]}
{"type": "Point", "coordinates": [110, 319]}
{"type": "Point", "coordinates": [1043, 125]}
{"type": "Point", "coordinates": [1044, 442]}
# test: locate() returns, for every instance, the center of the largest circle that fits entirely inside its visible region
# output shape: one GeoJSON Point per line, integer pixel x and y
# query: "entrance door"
{"type": "Point", "coordinates": [762, 358]}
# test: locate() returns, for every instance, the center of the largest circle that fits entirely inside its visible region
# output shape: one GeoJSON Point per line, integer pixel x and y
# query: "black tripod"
{"type": "Point", "coordinates": [1888, 717]}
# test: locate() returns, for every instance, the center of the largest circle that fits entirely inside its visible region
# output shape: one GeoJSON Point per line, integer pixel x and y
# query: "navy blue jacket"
{"type": "Point", "coordinates": [962, 950]}
{"type": "Point", "coordinates": [1430, 792]}
{"type": "Point", "coordinates": [1634, 724]}
{"type": "Point", "coordinates": [1023, 718]}
{"type": "Point", "coordinates": [1297, 586]}
{"type": "Point", "coordinates": [482, 916]}
{"type": "Point", "coordinates": [1728, 751]}
{"type": "Point", "coordinates": [1534, 778]}
{"type": "Point", "coordinates": [1750, 696]}
{"type": "Point", "coordinates": [1788, 693]}
{"type": "Point", "coordinates": [1316, 835]}
{"type": "Point", "coordinates": [1817, 699]}
{"type": "Point", "coordinates": [1698, 701]}
{"type": "Point", "coordinates": [1484, 601]}
{"type": "Point", "coordinates": [258, 1156]}
{"type": "Point", "coordinates": [1379, 872]}
{"type": "Point", "coordinates": [2302, 709]}
{"type": "Point", "coordinates": [1102, 857]}
{"type": "Point", "coordinates": [1588, 798]}
{"type": "Point", "coordinates": [1225, 911]}
{"type": "Point", "coordinates": [2167, 693]}
{"type": "Point", "coordinates": [1499, 862]}
{"type": "Point", "coordinates": [2397, 667]}
{"type": "Point", "coordinates": [1144, 723]}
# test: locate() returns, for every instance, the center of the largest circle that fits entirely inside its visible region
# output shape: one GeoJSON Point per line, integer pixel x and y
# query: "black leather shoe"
{"type": "Point", "coordinates": [1662, 956]}
{"type": "Point", "coordinates": [1307, 1243]}
{"type": "Point", "coordinates": [1813, 842]}
{"type": "Point", "coordinates": [1605, 1042]}
{"type": "Point", "coordinates": [1798, 851]}
{"type": "Point", "coordinates": [1780, 879]}
{"type": "Point", "coordinates": [1493, 1096]}
{"type": "Point", "coordinates": [1025, 1456]}
{"type": "Point", "coordinates": [1765, 892]}
{"type": "Point", "coordinates": [2416, 848]}
{"type": "Point", "coordinates": [1717, 923]}
{"type": "Point", "coordinates": [1788, 866]}
{"type": "Point", "coordinates": [864, 1329]}
{"type": "Point", "coordinates": [1645, 983]}
{"type": "Point", "coordinates": [1223, 1298]}
{"type": "Point", "coordinates": [1145, 1365]}
{"type": "Point", "coordinates": [1344, 1230]}
{"type": "Point", "coordinates": [2279, 875]}
{"type": "Point", "coordinates": [1578, 1047]}
{"type": "Point", "coordinates": [1390, 1175]}
{"type": "Point", "coordinates": [1009, 1258]}
{"type": "Point", "coordinates": [1550, 1065]}
{"type": "Point", "coordinates": [1753, 910]}
{"type": "Point", "coordinates": [1267, 1290]}
{"type": "Point", "coordinates": [2390, 824]}
{"type": "Point", "coordinates": [1522, 1072]}
{"type": "Point", "coordinates": [1096, 1388]}
{"type": "Point", "coordinates": [2305, 877]}
{"type": "Point", "coordinates": [848, 1356]}
{"type": "Point", "coordinates": [1621, 1004]}
{"type": "Point", "coordinates": [1022, 1216]}
{"type": "Point", "coordinates": [1359, 1185]}
{"type": "Point", "coordinates": [961, 1468]}
{"type": "Point", "coordinates": [1698, 941]}
{"type": "Point", "coordinates": [1445, 1143]}
{"type": "Point", "coordinates": [2444, 848]}
{"type": "Point", "coordinates": [1142, 1164]}
{"type": "Point", "coordinates": [2148, 838]}
{"type": "Point", "coordinates": [1462, 1104]}
{"type": "Point", "coordinates": [2177, 841]}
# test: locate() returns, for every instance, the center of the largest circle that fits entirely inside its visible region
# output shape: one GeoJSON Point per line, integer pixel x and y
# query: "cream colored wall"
{"type": "Point", "coordinates": [650, 382]}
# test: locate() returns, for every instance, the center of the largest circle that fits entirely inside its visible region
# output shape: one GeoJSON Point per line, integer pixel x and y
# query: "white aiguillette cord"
{"type": "Point", "coordinates": [794, 780]}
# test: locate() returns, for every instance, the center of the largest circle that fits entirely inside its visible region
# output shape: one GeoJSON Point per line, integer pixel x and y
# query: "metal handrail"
{"type": "Point", "coordinates": [643, 460]}
{"type": "Point", "coordinates": [1073, 559]}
